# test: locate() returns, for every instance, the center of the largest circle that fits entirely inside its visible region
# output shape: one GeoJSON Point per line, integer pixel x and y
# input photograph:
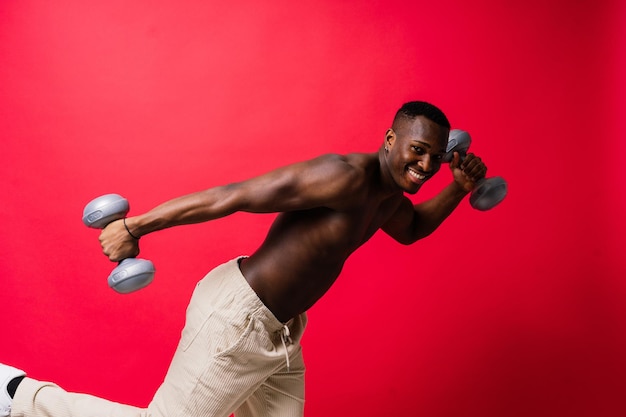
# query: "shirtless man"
{"type": "Point", "coordinates": [239, 350]}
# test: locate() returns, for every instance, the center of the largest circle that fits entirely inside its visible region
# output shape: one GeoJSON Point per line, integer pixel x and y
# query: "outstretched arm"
{"type": "Point", "coordinates": [323, 181]}
{"type": "Point", "coordinates": [413, 222]}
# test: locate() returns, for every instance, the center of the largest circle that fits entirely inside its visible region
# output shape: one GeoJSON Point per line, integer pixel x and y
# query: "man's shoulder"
{"type": "Point", "coordinates": [351, 161]}
{"type": "Point", "coordinates": [353, 169]}
{"type": "Point", "coordinates": [350, 175]}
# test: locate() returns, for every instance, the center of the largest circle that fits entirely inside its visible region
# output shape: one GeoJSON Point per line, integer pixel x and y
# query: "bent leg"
{"type": "Point", "coordinates": [230, 348]}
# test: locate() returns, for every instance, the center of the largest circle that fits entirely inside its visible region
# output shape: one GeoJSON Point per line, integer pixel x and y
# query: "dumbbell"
{"type": "Point", "coordinates": [131, 274]}
{"type": "Point", "coordinates": [489, 192]}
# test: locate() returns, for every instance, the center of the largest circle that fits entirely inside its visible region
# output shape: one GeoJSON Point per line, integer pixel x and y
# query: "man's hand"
{"type": "Point", "coordinates": [469, 172]}
{"type": "Point", "coordinates": [117, 244]}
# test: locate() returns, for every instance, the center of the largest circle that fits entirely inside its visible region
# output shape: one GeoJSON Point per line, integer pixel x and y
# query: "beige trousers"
{"type": "Point", "coordinates": [232, 358]}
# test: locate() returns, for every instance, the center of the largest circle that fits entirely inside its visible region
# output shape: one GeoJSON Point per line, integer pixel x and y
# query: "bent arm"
{"type": "Point", "coordinates": [413, 222]}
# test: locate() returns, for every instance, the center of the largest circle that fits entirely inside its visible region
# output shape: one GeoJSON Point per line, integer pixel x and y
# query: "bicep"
{"type": "Point", "coordinates": [401, 225]}
{"type": "Point", "coordinates": [401, 222]}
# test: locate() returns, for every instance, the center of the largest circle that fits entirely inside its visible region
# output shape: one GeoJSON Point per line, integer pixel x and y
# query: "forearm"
{"type": "Point", "coordinates": [431, 213]}
{"type": "Point", "coordinates": [189, 209]}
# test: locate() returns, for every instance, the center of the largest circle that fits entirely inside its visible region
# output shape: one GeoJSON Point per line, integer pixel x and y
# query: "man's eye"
{"type": "Point", "coordinates": [438, 158]}
{"type": "Point", "coordinates": [418, 150]}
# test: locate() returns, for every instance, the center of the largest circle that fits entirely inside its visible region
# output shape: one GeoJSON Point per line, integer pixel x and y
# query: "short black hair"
{"type": "Point", "coordinates": [412, 109]}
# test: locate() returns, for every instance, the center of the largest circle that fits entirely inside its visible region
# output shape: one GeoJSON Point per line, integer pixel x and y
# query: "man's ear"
{"type": "Point", "coordinates": [390, 138]}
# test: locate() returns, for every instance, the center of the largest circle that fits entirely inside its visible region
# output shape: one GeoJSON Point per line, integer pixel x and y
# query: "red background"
{"type": "Point", "coordinates": [514, 312]}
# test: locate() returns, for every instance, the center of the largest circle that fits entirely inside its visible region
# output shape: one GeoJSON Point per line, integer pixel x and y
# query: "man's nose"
{"type": "Point", "coordinates": [425, 163]}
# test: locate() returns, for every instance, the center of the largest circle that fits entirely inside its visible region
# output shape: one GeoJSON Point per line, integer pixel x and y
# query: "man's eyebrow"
{"type": "Point", "coordinates": [425, 144]}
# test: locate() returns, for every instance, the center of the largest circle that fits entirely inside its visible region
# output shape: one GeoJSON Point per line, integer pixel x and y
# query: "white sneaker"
{"type": "Point", "coordinates": [7, 374]}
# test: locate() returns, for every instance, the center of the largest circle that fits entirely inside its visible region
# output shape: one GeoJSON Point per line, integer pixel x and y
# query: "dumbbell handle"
{"type": "Point", "coordinates": [131, 274]}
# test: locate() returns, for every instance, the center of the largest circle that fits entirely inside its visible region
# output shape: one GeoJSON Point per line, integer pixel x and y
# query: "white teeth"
{"type": "Point", "coordinates": [416, 175]}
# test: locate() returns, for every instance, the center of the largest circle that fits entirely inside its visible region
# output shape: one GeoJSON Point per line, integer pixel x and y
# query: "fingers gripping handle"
{"type": "Point", "coordinates": [131, 274]}
{"type": "Point", "coordinates": [489, 192]}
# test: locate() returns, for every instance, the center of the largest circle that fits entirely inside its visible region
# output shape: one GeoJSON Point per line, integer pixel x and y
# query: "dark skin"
{"type": "Point", "coordinates": [329, 206]}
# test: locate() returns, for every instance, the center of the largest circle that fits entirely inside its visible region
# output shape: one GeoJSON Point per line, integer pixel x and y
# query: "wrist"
{"type": "Point", "coordinates": [131, 228]}
{"type": "Point", "coordinates": [459, 189]}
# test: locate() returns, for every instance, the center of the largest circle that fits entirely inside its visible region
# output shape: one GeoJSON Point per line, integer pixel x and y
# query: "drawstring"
{"type": "Point", "coordinates": [286, 339]}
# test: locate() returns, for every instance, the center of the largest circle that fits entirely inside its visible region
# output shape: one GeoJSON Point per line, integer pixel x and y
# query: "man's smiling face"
{"type": "Point", "coordinates": [415, 151]}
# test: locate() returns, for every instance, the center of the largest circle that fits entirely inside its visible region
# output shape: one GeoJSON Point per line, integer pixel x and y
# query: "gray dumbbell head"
{"type": "Point", "coordinates": [103, 210]}
{"type": "Point", "coordinates": [458, 141]}
{"type": "Point", "coordinates": [131, 274]}
{"type": "Point", "coordinates": [489, 193]}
